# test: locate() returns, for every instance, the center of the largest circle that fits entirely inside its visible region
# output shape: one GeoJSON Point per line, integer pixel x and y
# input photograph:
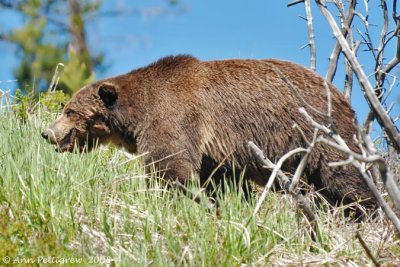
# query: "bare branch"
{"type": "Point", "coordinates": [333, 59]}
{"type": "Point", "coordinates": [302, 165]}
{"type": "Point", "coordinates": [342, 146]}
{"type": "Point", "coordinates": [380, 70]}
{"type": "Point", "coordinates": [389, 183]}
{"type": "Point", "coordinates": [323, 128]}
{"type": "Point", "coordinates": [307, 4]}
{"type": "Point", "coordinates": [383, 118]}
{"type": "Point", "coordinates": [329, 102]}
{"type": "Point", "coordinates": [396, 59]}
{"type": "Point", "coordinates": [348, 82]}
{"type": "Point", "coordinates": [395, 18]}
{"type": "Point", "coordinates": [367, 126]}
{"type": "Point", "coordinates": [341, 163]}
{"type": "Point", "coordinates": [301, 201]}
{"type": "Point", "coordinates": [369, 144]}
{"type": "Point", "coordinates": [384, 33]}
{"type": "Point", "coordinates": [275, 168]}
{"type": "Point", "coordinates": [379, 75]}
{"type": "Point", "coordinates": [391, 86]}
{"type": "Point", "coordinates": [385, 207]}
{"type": "Point", "coordinates": [347, 151]}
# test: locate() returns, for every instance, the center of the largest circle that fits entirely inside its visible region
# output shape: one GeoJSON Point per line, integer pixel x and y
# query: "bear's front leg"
{"type": "Point", "coordinates": [170, 164]}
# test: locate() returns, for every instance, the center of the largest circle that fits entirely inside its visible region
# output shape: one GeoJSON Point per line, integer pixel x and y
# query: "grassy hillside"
{"type": "Point", "coordinates": [99, 208]}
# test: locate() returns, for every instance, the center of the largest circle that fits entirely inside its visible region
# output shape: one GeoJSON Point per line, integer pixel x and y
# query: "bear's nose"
{"type": "Point", "coordinates": [45, 134]}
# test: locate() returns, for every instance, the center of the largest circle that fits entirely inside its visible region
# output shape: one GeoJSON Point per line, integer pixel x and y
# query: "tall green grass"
{"type": "Point", "coordinates": [100, 208]}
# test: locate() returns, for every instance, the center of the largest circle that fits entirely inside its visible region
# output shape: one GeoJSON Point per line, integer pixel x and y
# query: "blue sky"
{"type": "Point", "coordinates": [205, 29]}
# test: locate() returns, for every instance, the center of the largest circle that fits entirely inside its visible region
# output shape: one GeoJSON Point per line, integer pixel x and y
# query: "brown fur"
{"type": "Point", "coordinates": [205, 113]}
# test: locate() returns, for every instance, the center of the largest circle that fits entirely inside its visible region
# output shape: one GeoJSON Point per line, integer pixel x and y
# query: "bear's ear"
{"type": "Point", "coordinates": [108, 94]}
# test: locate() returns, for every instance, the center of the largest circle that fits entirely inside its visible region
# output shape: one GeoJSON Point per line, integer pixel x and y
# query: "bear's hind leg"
{"type": "Point", "coordinates": [343, 184]}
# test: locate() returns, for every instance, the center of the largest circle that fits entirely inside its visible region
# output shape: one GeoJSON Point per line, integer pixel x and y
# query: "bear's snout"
{"type": "Point", "coordinates": [45, 135]}
{"type": "Point", "coordinates": [49, 135]}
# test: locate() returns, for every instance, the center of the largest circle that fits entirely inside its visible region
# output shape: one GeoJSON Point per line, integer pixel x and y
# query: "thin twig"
{"type": "Point", "coordinates": [295, 90]}
{"type": "Point", "coordinates": [294, 3]}
{"type": "Point", "coordinates": [366, 249]}
{"type": "Point", "coordinates": [285, 181]}
{"type": "Point", "coordinates": [195, 197]}
{"type": "Point", "coordinates": [56, 78]}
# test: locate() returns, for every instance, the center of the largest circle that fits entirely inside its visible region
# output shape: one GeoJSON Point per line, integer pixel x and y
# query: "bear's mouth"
{"type": "Point", "coordinates": [67, 143]}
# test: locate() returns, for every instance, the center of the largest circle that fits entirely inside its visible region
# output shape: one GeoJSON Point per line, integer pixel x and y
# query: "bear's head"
{"type": "Point", "coordinates": [85, 121]}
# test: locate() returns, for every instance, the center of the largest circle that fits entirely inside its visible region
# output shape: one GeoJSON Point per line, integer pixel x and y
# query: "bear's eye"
{"type": "Point", "coordinates": [69, 113]}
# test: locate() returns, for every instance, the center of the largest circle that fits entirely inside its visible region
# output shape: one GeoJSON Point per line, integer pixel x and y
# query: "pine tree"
{"type": "Point", "coordinates": [53, 32]}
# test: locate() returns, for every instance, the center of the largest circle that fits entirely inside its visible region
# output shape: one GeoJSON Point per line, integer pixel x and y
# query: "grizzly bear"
{"type": "Point", "coordinates": [194, 118]}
